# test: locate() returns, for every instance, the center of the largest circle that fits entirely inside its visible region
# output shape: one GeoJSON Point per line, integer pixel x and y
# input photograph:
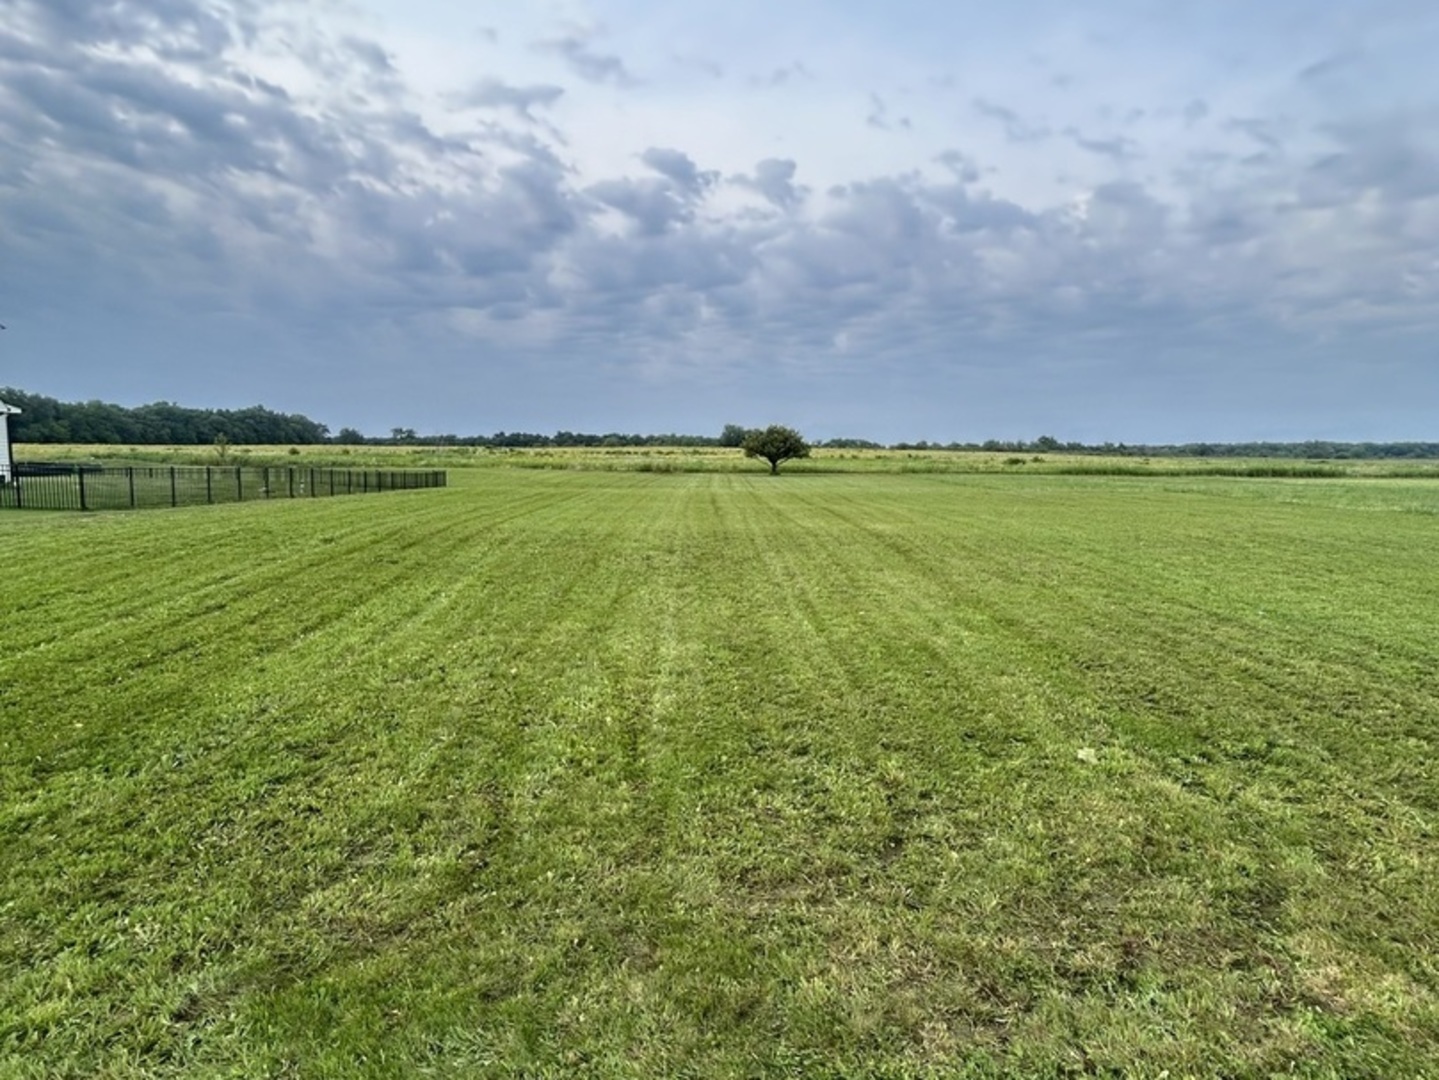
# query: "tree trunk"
{"type": "Point", "coordinates": [773, 467]}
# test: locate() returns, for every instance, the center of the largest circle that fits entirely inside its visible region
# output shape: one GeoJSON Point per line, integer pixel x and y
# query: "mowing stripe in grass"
{"type": "Point", "coordinates": [727, 775]}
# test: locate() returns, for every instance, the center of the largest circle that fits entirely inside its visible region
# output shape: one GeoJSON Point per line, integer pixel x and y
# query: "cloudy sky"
{"type": "Point", "coordinates": [1136, 220]}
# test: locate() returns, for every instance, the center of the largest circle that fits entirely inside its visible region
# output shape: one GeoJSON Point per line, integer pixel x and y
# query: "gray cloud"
{"type": "Point", "coordinates": [783, 76]}
{"type": "Point", "coordinates": [653, 205]}
{"type": "Point", "coordinates": [960, 164]}
{"type": "Point", "coordinates": [592, 66]}
{"type": "Point", "coordinates": [1392, 156]}
{"type": "Point", "coordinates": [179, 30]}
{"type": "Point", "coordinates": [494, 94]}
{"type": "Point", "coordinates": [1118, 147]}
{"type": "Point", "coordinates": [962, 211]}
{"type": "Point", "coordinates": [1261, 131]}
{"type": "Point", "coordinates": [677, 166]}
{"type": "Point", "coordinates": [1016, 128]}
{"type": "Point", "coordinates": [656, 206]}
{"type": "Point", "coordinates": [370, 55]}
{"type": "Point", "coordinates": [774, 179]}
{"type": "Point", "coordinates": [1334, 64]}
{"type": "Point", "coordinates": [879, 116]}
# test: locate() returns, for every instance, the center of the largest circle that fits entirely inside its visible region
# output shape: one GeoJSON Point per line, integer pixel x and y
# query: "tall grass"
{"type": "Point", "coordinates": [707, 460]}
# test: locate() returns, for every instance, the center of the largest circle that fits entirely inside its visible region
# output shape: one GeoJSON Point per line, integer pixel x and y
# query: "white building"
{"type": "Point", "coordinates": [7, 457]}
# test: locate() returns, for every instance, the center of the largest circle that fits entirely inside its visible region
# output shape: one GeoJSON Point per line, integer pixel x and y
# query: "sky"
{"type": "Point", "coordinates": [1102, 220]}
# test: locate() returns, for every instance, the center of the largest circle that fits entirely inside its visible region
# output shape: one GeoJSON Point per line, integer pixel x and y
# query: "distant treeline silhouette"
{"type": "Point", "coordinates": [46, 420]}
{"type": "Point", "coordinates": [1310, 449]}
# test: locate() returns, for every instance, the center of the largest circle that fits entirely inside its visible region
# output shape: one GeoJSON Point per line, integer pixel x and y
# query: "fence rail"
{"type": "Point", "coordinates": [40, 486]}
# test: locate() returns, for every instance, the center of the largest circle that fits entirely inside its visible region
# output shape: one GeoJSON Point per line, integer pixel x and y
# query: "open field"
{"type": "Point", "coordinates": [716, 459]}
{"type": "Point", "coordinates": [566, 772]}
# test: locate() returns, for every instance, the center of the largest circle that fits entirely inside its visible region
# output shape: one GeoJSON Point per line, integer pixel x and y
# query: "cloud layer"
{"type": "Point", "coordinates": [1207, 229]}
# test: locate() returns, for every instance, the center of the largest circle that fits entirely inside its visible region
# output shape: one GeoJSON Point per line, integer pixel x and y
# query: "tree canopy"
{"type": "Point", "coordinates": [734, 435]}
{"type": "Point", "coordinates": [45, 420]}
{"type": "Point", "coordinates": [776, 444]}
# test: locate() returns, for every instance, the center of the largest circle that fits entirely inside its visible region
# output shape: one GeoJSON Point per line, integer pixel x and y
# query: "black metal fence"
{"type": "Point", "coordinates": [92, 487]}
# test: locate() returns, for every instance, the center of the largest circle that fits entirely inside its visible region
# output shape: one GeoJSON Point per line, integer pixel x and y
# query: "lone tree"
{"type": "Point", "coordinates": [775, 444]}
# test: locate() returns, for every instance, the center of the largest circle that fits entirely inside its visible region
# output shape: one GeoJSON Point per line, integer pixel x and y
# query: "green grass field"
{"type": "Point", "coordinates": [566, 772]}
{"type": "Point", "coordinates": [667, 459]}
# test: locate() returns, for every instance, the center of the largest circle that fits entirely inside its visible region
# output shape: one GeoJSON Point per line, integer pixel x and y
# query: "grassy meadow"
{"type": "Point", "coordinates": [569, 771]}
{"type": "Point", "coordinates": [666, 459]}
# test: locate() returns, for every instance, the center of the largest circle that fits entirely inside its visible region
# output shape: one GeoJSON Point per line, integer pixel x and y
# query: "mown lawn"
{"type": "Point", "coordinates": [555, 773]}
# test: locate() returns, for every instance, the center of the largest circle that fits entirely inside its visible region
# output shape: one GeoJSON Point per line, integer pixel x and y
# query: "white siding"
{"type": "Point", "coordinates": [5, 411]}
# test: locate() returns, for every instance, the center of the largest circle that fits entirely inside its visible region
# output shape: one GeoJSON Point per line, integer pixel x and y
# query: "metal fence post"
{"type": "Point", "coordinates": [72, 487]}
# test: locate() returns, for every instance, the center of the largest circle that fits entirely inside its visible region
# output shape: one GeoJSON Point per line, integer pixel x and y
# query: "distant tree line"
{"type": "Point", "coordinates": [46, 420]}
{"type": "Point", "coordinates": [521, 439]}
{"type": "Point", "coordinates": [1314, 448]}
